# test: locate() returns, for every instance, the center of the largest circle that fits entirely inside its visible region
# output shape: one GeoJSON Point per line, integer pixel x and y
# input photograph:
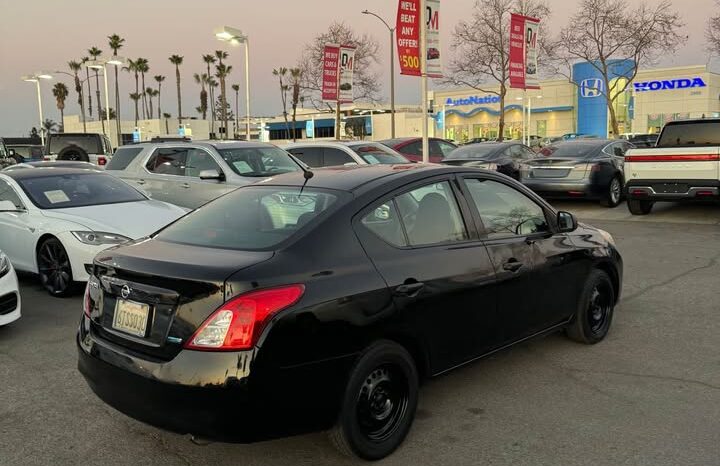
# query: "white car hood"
{"type": "Point", "coordinates": [131, 219]}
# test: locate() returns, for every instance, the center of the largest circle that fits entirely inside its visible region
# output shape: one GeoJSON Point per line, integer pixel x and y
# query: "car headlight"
{"type": "Point", "coordinates": [99, 238]}
{"type": "Point", "coordinates": [608, 237]}
{"type": "Point", "coordinates": [4, 264]}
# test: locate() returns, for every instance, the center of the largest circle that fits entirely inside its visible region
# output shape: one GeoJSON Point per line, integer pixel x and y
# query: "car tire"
{"type": "Point", "coordinates": [54, 268]}
{"type": "Point", "coordinates": [73, 153]}
{"type": "Point", "coordinates": [594, 314]}
{"type": "Point", "coordinates": [613, 197]}
{"type": "Point", "coordinates": [638, 207]}
{"type": "Point", "coordinates": [379, 403]}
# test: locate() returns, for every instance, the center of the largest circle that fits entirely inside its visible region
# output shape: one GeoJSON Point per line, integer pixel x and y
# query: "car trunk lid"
{"type": "Point", "coordinates": [558, 167]}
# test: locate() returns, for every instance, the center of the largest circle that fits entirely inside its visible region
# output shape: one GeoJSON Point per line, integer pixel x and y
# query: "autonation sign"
{"type": "Point", "coordinates": [474, 100]}
{"type": "Point", "coordinates": [669, 84]}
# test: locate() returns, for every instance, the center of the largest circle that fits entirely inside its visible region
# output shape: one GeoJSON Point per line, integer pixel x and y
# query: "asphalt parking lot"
{"type": "Point", "coordinates": [648, 395]}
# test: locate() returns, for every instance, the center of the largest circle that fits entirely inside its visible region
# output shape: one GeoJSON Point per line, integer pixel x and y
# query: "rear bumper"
{"type": "Point", "coordinates": [212, 394]}
{"type": "Point", "coordinates": [673, 190]}
{"type": "Point", "coordinates": [561, 188]}
{"type": "Point", "coordinates": [8, 290]}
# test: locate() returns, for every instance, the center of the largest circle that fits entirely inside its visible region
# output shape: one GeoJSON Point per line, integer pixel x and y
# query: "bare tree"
{"type": "Point", "coordinates": [608, 34]}
{"type": "Point", "coordinates": [366, 82]}
{"type": "Point", "coordinates": [481, 49]}
{"type": "Point", "coordinates": [712, 31]}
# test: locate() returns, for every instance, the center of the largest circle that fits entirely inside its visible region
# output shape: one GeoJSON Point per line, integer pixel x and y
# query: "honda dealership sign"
{"type": "Point", "coordinates": [524, 52]}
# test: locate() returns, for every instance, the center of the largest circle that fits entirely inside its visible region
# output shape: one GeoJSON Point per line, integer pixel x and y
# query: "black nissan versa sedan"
{"type": "Point", "coordinates": [580, 168]}
{"type": "Point", "coordinates": [320, 302]}
{"type": "Point", "coordinates": [508, 158]}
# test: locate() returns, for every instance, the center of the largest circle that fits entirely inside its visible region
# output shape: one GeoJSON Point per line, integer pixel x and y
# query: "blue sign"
{"type": "Point", "coordinates": [310, 129]}
{"type": "Point", "coordinates": [669, 84]}
{"type": "Point", "coordinates": [440, 120]}
{"type": "Point", "coordinates": [592, 87]}
{"type": "Point", "coordinates": [181, 131]}
{"type": "Point", "coordinates": [474, 100]}
{"type": "Point", "coordinates": [136, 136]}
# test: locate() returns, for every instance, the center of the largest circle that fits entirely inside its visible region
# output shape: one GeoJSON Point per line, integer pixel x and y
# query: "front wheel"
{"type": "Point", "coordinates": [593, 317]}
{"type": "Point", "coordinates": [637, 207]}
{"type": "Point", "coordinates": [614, 194]}
{"type": "Point", "coordinates": [379, 403]}
{"type": "Point", "coordinates": [54, 268]}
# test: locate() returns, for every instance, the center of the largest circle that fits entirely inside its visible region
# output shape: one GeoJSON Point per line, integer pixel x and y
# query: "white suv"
{"type": "Point", "coordinates": [330, 154]}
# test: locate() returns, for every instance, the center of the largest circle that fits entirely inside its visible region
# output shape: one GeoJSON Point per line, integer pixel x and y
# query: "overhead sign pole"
{"type": "Point", "coordinates": [424, 85]}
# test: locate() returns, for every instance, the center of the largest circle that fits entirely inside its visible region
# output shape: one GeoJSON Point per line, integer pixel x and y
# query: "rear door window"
{"type": "Point", "coordinates": [431, 215]}
{"type": "Point", "coordinates": [123, 157]}
{"type": "Point", "coordinates": [334, 157]}
{"type": "Point", "coordinates": [414, 148]}
{"type": "Point", "coordinates": [168, 161]}
{"type": "Point", "coordinates": [310, 156]}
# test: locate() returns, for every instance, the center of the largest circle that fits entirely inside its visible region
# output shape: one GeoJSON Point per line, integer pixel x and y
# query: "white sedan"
{"type": "Point", "coordinates": [9, 294]}
{"type": "Point", "coordinates": [53, 221]}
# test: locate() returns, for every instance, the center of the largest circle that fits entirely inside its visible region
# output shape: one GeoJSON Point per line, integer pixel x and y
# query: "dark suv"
{"type": "Point", "coordinates": [80, 147]}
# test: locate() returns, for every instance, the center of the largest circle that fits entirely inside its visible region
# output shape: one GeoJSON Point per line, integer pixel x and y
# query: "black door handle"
{"type": "Point", "coordinates": [409, 290]}
{"type": "Point", "coordinates": [512, 265]}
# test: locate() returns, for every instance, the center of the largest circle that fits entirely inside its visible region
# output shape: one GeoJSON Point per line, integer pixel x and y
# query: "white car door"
{"type": "Point", "coordinates": [16, 229]}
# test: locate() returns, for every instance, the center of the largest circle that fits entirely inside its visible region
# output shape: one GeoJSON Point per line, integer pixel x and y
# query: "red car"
{"type": "Point", "coordinates": [411, 148]}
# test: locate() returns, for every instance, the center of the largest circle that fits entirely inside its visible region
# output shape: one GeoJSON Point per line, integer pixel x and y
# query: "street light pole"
{"type": "Point", "coordinates": [235, 36]}
{"type": "Point", "coordinates": [392, 70]}
{"type": "Point", "coordinates": [35, 78]}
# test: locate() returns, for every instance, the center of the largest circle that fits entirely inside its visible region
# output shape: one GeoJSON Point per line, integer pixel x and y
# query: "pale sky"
{"type": "Point", "coordinates": [45, 34]}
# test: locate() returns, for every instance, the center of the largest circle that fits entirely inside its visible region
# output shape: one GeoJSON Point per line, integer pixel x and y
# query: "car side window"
{"type": "Point", "coordinates": [334, 157]}
{"type": "Point", "coordinates": [505, 211]}
{"type": "Point", "coordinates": [7, 193]}
{"type": "Point", "coordinates": [168, 161]}
{"type": "Point", "coordinates": [414, 148]}
{"type": "Point", "coordinates": [199, 160]}
{"type": "Point", "coordinates": [384, 220]}
{"type": "Point", "coordinates": [310, 156]}
{"type": "Point", "coordinates": [431, 215]}
{"type": "Point", "coordinates": [446, 148]}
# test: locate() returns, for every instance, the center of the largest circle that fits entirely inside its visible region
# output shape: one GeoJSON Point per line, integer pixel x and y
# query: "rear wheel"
{"type": "Point", "coordinates": [379, 404]}
{"type": "Point", "coordinates": [593, 317]}
{"type": "Point", "coordinates": [54, 268]}
{"type": "Point", "coordinates": [614, 194]}
{"type": "Point", "coordinates": [638, 207]}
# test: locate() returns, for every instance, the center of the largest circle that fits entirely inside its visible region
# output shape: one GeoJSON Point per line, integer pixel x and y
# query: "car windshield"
{"type": "Point", "coordinates": [77, 190]}
{"type": "Point", "coordinates": [90, 143]}
{"type": "Point", "coordinates": [481, 151]}
{"type": "Point", "coordinates": [570, 150]}
{"type": "Point", "coordinates": [376, 154]}
{"type": "Point", "coordinates": [251, 218]}
{"type": "Point", "coordinates": [258, 161]}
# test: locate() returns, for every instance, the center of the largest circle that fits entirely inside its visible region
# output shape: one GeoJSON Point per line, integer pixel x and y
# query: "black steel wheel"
{"type": "Point", "coordinates": [379, 403]}
{"type": "Point", "coordinates": [593, 317]}
{"type": "Point", "coordinates": [54, 268]}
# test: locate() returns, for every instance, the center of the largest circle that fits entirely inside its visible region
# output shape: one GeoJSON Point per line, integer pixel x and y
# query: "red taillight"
{"type": "Point", "coordinates": [595, 168]}
{"type": "Point", "coordinates": [238, 323]}
{"type": "Point", "coordinates": [638, 192]}
{"type": "Point", "coordinates": [705, 193]}
{"type": "Point", "coordinates": [102, 161]}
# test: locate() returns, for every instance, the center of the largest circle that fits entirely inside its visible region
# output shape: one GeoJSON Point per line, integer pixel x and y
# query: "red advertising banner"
{"type": "Point", "coordinates": [331, 67]}
{"type": "Point", "coordinates": [408, 36]}
{"type": "Point", "coordinates": [523, 52]}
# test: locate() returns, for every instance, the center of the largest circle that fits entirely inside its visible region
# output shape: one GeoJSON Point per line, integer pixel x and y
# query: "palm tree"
{"type": "Point", "coordinates": [143, 67]}
{"type": "Point", "coordinates": [132, 67]}
{"type": "Point", "coordinates": [60, 91]}
{"type": "Point", "coordinates": [177, 61]}
{"type": "Point", "coordinates": [95, 53]}
{"type": "Point", "coordinates": [151, 93]}
{"type": "Point", "coordinates": [75, 67]}
{"type": "Point", "coordinates": [49, 126]}
{"type": "Point", "coordinates": [209, 59]}
{"type": "Point", "coordinates": [84, 60]}
{"type": "Point", "coordinates": [296, 75]}
{"type": "Point", "coordinates": [281, 73]}
{"type": "Point", "coordinates": [116, 43]}
{"type": "Point", "coordinates": [236, 88]}
{"type": "Point", "coordinates": [159, 78]}
{"type": "Point", "coordinates": [202, 80]}
{"type": "Point", "coordinates": [222, 72]}
{"type": "Point", "coordinates": [221, 55]}
{"type": "Point", "coordinates": [135, 96]}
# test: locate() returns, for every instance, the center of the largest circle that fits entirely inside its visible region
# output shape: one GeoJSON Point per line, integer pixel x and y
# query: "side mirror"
{"type": "Point", "coordinates": [211, 175]}
{"type": "Point", "coordinates": [566, 222]}
{"type": "Point", "coordinates": [8, 206]}
{"type": "Point", "coordinates": [11, 152]}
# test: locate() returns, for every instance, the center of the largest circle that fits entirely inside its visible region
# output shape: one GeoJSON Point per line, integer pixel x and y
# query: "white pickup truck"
{"type": "Point", "coordinates": [684, 165]}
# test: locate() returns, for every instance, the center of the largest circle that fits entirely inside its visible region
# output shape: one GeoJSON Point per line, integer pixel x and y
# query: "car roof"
{"type": "Point", "coordinates": [587, 142]}
{"type": "Point", "coordinates": [56, 164]}
{"type": "Point", "coordinates": [49, 171]}
{"type": "Point", "coordinates": [214, 144]}
{"type": "Point", "coordinates": [353, 177]}
{"type": "Point", "coordinates": [393, 142]}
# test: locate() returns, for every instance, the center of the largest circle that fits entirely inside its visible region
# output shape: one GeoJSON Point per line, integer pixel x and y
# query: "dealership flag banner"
{"type": "Point", "coordinates": [433, 67]}
{"type": "Point", "coordinates": [523, 52]}
{"type": "Point", "coordinates": [331, 65]}
{"type": "Point", "coordinates": [347, 67]}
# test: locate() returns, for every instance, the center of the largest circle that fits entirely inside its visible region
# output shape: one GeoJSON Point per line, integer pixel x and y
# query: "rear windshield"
{"type": "Point", "coordinates": [571, 150]}
{"type": "Point", "coordinates": [90, 143]}
{"type": "Point", "coordinates": [377, 153]}
{"type": "Point", "coordinates": [480, 151]}
{"type": "Point", "coordinates": [250, 218]}
{"type": "Point", "coordinates": [78, 190]}
{"type": "Point", "coordinates": [690, 134]}
{"type": "Point", "coordinates": [258, 161]}
{"type": "Point", "coordinates": [122, 158]}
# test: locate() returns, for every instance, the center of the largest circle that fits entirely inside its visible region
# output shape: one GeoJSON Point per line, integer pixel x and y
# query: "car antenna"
{"type": "Point", "coordinates": [307, 174]}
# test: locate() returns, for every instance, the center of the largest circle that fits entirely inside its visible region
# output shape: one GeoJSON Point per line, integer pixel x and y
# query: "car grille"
{"type": "Point", "coordinates": [8, 303]}
{"type": "Point", "coordinates": [670, 188]}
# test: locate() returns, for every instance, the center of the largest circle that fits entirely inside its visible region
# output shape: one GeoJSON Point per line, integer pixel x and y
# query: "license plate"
{"type": "Point", "coordinates": [131, 317]}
